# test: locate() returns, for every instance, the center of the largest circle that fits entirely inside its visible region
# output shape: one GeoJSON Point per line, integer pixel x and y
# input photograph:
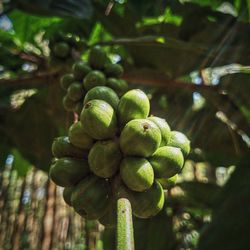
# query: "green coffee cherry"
{"type": "Point", "coordinates": [91, 197]}
{"type": "Point", "coordinates": [80, 70]}
{"type": "Point", "coordinates": [99, 120]}
{"type": "Point", "coordinates": [140, 137]}
{"type": "Point", "coordinates": [67, 192]}
{"type": "Point", "coordinates": [78, 137]}
{"type": "Point", "coordinates": [104, 158]}
{"type": "Point", "coordinates": [137, 173]}
{"type": "Point", "coordinates": [166, 161]}
{"type": "Point", "coordinates": [179, 140]}
{"type": "Point", "coordinates": [61, 147]}
{"type": "Point", "coordinates": [164, 128]}
{"type": "Point", "coordinates": [133, 105]}
{"type": "Point", "coordinates": [93, 79]}
{"type": "Point", "coordinates": [168, 183]}
{"type": "Point", "coordinates": [68, 103]}
{"type": "Point", "coordinates": [113, 70]}
{"type": "Point", "coordinates": [97, 58]}
{"type": "Point", "coordinates": [67, 172]}
{"type": "Point", "coordinates": [75, 91]}
{"type": "Point", "coordinates": [149, 203]}
{"type": "Point", "coordinates": [118, 85]}
{"type": "Point", "coordinates": [61, 50]}
{"type": "Point", "coordinates": [66, 80]}
{"type": "Point", "coordinates": [103, 93]}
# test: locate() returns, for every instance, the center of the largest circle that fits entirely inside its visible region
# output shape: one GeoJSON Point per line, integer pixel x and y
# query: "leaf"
{"type": "Point", "coordinates": [204, 193]}
{"type": "Point", "coordinates": [154, 233]}
{"type": "Point", "coordinates": [109, 238]}
{"type": "Point", "coordinates": [81, 9]}
{"type": "Point", "coordinates": [21, 165]}
{"type": "Point", "coordinates": [32, 129]}
{"type": "Point", "coordinates": [229, 228]}
{"type": "Point", "coordinates": [27, 26]}
{"type": "Point", "coordinates": [8, 39]}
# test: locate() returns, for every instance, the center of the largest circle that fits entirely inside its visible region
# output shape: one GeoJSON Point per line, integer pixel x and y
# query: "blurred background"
{"type": "Point", "coordinates": [191, 57]}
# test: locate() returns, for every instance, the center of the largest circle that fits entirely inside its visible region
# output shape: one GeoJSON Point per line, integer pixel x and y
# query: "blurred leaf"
{"type": "Point", "coordinates": [205, 193]}
{"type": "Point", "coordinates": [32, 130]}
{"type": "Point", "coordinates": [154, 233]}
{"type": "Point", "coordinates": [237, 87]}
{"type": "Point", "coordinates": [109, 239]}
{"type": "Point", "coordinates": [8, 39]}
{"type": "Point", "coordinates": [68, 8]}
{"type": "Point", "coordinates": [26, 26]}
{"type": "Point", "coordinates": [21, 165]}
{"type": "Point", "coordinates": [5, 148]}
{"type": "Point", "coordinates": [187, 203]}
{"type": "Point", "coordinates": [229, 228]}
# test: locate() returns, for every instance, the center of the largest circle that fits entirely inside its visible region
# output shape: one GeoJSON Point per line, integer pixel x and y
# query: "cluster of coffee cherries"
{"type": "Point", "coordinates": [116, 150]}
{"type": "Point", "coordinates": [63, 46]}
{"type": "Point", "coordinates": [84, 76]}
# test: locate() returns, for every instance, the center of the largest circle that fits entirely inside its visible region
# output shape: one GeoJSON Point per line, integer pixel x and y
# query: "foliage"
{"type": "Point", "coordinates": [172, 49]}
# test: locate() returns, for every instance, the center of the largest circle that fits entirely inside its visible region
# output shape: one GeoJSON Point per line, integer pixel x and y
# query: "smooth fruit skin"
{"type": "Point", "coordinates": [120, 86]}
{"type": "Point", "coordinates": [75, 91]}
{"type": "Point", "coordinates": [97, 58]}
{"type": "Point", "coordinates": [61, 147]}
{"type": "Point", "coordinates": [99, 120]}
{"type": "Point", "coordinates": [61, 50]}
{"type": "Point", "coordinates": [93, 79]}
{"type": "Point", "coordinates": [166, 161]}
{"type": "Point", "coordinates": [66, 80]}
{"type": "Point", "coordinates": [80, 70]}
{"type": "Point", "coordinates": [78, 137]}
{"type": "Point", "coordinates": [91, 197]}
{"type": "Point", "coordinates": [103, 93]}
{"type": "Point", "coordinates": [66, 172]}
{"type": "Point", "coordinates": [109, 219]}
{"type": "Point", "coordinates": [179, 140]}
{"type": "Point", "coordinates": [164, 128]}
{"type": "Point", "coordinates": [68, 103]}
{"type": "Point", "coordinates": [149, 203]}
{"type": "Point", "coordinates": [137, 173]}
{"type": "Point", "coordinates": [67, 192]}
{"type": "Point", "coordinates": [140, 137]}
{"type": "Point", "coordinates": [104, 158]}
{"type": "Point", "coordinates": [114, 70]}
{"type": "Point", "coordinates": [133, 105]}
{"type": "Point", "coordinates": [168, 183]}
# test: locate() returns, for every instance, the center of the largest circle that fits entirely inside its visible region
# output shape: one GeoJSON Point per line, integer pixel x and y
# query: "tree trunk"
{"type": "Point", "coordinates": [4, 199]}
{"type": "Point", "coordinates": [49, 216]}
{"type": "Point", "coordinates": [19, 223]}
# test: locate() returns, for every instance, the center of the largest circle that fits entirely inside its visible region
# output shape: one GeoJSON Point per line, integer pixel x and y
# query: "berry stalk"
{"type": "Point", "coordinates": [125, 234]}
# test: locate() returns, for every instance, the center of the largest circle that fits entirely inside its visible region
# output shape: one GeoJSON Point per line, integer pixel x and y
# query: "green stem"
{"type": "Point", "coordinates": [125, 234]}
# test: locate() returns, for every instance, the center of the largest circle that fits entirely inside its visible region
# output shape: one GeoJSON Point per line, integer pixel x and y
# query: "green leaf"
{"type": "Point", "coordinates": [67, 8]}
{"type": "Point", "coordinates": [204, 193]}
{"type": "Point", "coordinates": [229, 228]}
{"type": "Point", "coordinates": [32, 128]}
{"type": "Point", "coordinates": [21, 165]}
{"type": "Point", "coordinates": [8, 39]}
{"type": "Point", "coordinates": [154, 233]}
{"type": "Point", "coordinates": [27, 26]}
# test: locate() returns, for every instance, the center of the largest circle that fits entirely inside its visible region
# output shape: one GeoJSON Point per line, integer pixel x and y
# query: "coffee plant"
{"type": "Point", "coordinates": [191, 60]}
{"type": "Point", "coordinates": [115, 149]}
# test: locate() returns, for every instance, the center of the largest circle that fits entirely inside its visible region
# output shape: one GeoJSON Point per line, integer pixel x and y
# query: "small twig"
{"type": "Point", "coordinates": [37, 78]}
{"type": "Point", "coordinates": [160, 80]}
{"type": "Point", "coordinates": [31, 57]}
{"type": "Point", "coordinates": [109, 7]}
